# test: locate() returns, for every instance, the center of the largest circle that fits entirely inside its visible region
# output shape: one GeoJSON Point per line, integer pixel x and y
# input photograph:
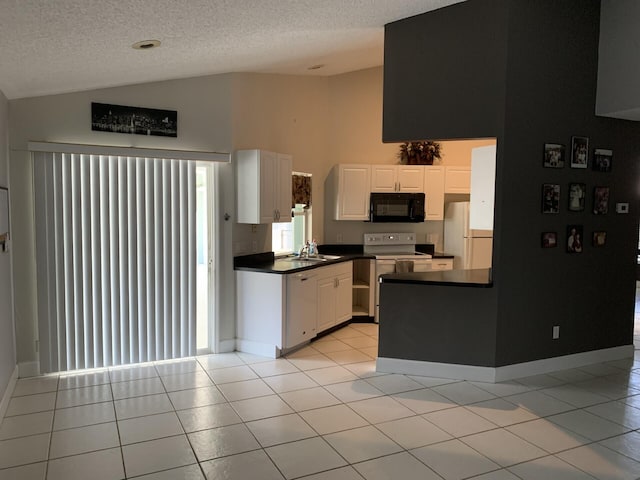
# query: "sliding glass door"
{"type": "Point", "coordinates": [123, 259]}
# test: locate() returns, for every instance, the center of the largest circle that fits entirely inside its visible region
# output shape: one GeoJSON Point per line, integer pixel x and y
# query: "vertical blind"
{"type": "Point", "coordinates": [116, 259]}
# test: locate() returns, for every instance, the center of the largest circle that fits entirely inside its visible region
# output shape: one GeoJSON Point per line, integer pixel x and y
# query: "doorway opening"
{"type": "Point", "coordinates": [205, 274]}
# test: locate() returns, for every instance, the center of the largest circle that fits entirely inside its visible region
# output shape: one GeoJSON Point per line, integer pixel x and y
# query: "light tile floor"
{"type": "Point", "coordinates": [322, 413]}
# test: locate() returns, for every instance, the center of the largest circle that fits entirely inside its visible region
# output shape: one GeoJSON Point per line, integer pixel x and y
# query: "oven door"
{"type": "Point", "coordinates": [387, 265]}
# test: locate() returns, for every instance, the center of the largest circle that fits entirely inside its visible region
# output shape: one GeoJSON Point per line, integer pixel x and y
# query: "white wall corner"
{"type": "Point", "coordinates": [6, 397]}
{"type": "Point", "coordinates": [226, 346]}
{"type": "Point", "coordinates": [256, 348]}
{"type": "Point", "coordinates": [28, 369]}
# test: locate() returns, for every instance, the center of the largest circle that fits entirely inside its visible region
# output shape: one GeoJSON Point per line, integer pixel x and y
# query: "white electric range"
{"type": "Point", "coordinates": [394, 252]}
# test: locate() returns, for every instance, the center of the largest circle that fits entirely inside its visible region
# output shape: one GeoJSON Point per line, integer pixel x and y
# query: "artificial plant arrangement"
{"type": "Point", "coordinates": [419, 153]}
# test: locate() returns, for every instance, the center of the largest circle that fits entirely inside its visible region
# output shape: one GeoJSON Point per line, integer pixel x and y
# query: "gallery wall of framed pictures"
{"type": "Point", "coordinates": [584, 200]}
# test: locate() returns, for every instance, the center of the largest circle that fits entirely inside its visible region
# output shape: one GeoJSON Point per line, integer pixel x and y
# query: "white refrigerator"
{"type": "Point", "coordinates": [471, 248]}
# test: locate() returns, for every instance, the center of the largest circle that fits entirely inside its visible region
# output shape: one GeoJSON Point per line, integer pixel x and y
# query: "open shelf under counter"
{"type": "Point", "coordinates": [363, 287]}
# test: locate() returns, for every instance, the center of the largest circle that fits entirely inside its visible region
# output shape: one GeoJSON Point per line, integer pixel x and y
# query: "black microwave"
{"type": "Point", "coordinates": [397, 207]}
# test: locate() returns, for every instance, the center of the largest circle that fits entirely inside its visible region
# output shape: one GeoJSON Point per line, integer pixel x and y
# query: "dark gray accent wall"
{"type": "Point", "coordinates": [438, 324]}
{"type": "Point", "coordinates": [444, 73]}
{"type": "Point", "coordinates": [551, 94]}
{"type": "Point", "coordinates": [548, 84]}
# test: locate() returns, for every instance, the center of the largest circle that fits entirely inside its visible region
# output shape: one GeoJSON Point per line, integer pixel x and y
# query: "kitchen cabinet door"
{"type": "Point", "coordinates": [268, 174]}
{"type": "Point", "coordinates": [344, 297]}
{"type": "Point", "coordinates": [410, 178]}
{"type": "Point", "coordinates": [263, 181]}
{"type": "Point", "coordinates": [326, 317]}
{"type": "Point", "coordinates": [354, 188]}
{"type": "Point", "coordinates": [283, 192]}
{"type": "Point", "coordinates": [457, 180]}
{"type": "Point", "coordinates": [442, 264]}
{"type": "Point", "coordinates": [334, 294]}
{"type": "Point", "coordinates": [394, 178]}
{"type": "Point", "coordinates": [384, 178]}
{"type": "Point", "coordinates": [434, 192]}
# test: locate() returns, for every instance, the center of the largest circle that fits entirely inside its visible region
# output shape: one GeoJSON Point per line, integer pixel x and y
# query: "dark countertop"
{"type": "Point", "coordinates": [441, 255]}
{"type": "Point", "coordinates": [454, 278]}
{"type": "Point", "coordinates": [267, 263]}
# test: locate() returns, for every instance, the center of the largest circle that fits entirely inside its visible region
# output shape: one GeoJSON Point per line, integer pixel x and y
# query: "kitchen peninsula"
{"type": "Point", "coordinates": [440, 323]}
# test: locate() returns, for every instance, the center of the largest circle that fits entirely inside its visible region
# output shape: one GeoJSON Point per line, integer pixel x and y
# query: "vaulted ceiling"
{"type": "Point", "coordinates": [59, 46]}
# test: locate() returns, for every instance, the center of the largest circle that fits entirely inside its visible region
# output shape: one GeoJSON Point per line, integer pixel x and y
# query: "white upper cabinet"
{"type": "Point", "coordinates": [354, 183]}
{"type": "Point", "coordinates": [263, 182]}
{"type": "Point", "coordinates": [411, 178]}
{"type": "Point", "coordinates": [457, 180]}
{"type": "Point", "coordinates": [284, 189]}
{"type": "Point", "coordinates": [384, 178]}
{"type": "Point", "coordinates": [434, 192]}
{"type": "Point", "coordinates": [397, 178]}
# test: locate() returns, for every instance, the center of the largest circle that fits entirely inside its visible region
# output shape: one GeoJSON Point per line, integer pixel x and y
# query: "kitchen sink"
{"type": "Point", "coordinates": [319, 258]}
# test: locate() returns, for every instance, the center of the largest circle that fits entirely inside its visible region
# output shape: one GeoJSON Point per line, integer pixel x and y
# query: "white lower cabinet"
{"type": "Point", "coordinates": [442, 264]}
{"type": "Point", "coordinates": [279, 312]}
{"type": "Point", "coordinates": [334, 295]}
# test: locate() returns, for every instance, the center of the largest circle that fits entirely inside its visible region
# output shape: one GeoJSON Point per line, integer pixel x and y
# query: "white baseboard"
{"type": "Point", "coordinates": [546, 365]}
{"type": "Point", "coordinates": [501, 374]}
{"type": "Point", "coordinates": [261, 349]}
{"type": "Point", "coordinates": [226, 346]}
{"type": "Point", "coordinates": [6, 397]}
{"type": "Point", "coordinates": [434, 369]}
{"type": "Point", "coordinates": [28, 369]}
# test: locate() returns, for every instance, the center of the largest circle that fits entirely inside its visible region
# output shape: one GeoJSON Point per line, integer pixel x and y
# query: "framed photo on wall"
{"type": "Point", "coordinates": [577, 193]}
{"type": "Point", "coordinates": [549, 239]}
{"type": "Point", "coordinates": [602, 160]}
{"type": "Point", "coordinates": [599, 239]}
{"type": "Point", "coordinates": [579, 152]}
{"type": "Point", "coordinates": [600, 200]}
{"type": "Point", "coordinates": [550, 198]}
{"type": "Point", "coordinates": [553, 155]}
{"type": "Point", "coordinates": [574, 238]}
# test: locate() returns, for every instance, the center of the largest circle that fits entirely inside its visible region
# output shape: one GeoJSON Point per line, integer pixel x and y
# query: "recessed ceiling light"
{"type": "Point", "coordinates": [316, 67]}
{"type": "Point", "coordinates": [146, 44]}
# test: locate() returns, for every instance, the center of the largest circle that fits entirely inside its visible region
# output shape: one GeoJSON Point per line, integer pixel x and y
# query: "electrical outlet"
{"type": "Point", "coordinates": [254, 228]}
{"type": "Point", "coordinates": [339, 238]}
{"type": "Point", "coordinates": [556, 332]}
{"type": "Point", "coordinates": [254, 246]}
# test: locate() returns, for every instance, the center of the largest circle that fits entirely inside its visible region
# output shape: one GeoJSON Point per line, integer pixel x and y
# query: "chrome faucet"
{"type": "Point", "coordinates": [304, 250]}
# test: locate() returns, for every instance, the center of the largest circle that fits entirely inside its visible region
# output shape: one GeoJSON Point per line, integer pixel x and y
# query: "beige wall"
{"type": "Point", "coordinates": [285, 114]}
{"type": "Point", "coordinates": [204, 113]}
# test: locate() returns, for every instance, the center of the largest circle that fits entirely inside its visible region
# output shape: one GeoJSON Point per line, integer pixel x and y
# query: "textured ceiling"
{"type": "Point", "coordinates": [57, 46]}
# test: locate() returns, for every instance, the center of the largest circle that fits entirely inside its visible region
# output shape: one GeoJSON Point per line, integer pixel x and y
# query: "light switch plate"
{"type": "Point", "coordinates": [622, 208]}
